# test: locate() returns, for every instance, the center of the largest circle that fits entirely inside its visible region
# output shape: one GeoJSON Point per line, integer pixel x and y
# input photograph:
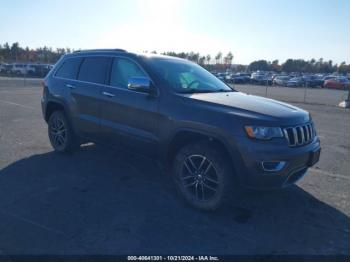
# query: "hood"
{"type": "Point", "coordinates": [255, 105]}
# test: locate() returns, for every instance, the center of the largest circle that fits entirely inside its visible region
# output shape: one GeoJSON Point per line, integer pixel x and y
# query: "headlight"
{"type": "Point", "coordinates": [263, 132]}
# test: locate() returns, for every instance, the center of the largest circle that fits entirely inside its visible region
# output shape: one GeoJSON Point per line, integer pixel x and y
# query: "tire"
{"type": "Point", "coordinates": [203, 175]}
{"type": "Point", "coordinates": [61, 134]}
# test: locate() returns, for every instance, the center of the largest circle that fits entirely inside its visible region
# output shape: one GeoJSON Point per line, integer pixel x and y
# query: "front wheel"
{"type": "Point", "coordinates": [61, 134]}
{"type": "Point", "coordinates": [203, 175]}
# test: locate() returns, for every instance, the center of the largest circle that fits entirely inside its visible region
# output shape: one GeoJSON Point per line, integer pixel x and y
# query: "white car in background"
{"type": "Point", "coordinates": [22, 69]}
{"type": "Point", "coordinates": [281, 80]}
{"type": "Point", "coordinates": [3, 69]}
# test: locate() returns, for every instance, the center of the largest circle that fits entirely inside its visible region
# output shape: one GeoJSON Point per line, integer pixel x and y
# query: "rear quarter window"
{"type": "Point", "coordinates": [69, 69]}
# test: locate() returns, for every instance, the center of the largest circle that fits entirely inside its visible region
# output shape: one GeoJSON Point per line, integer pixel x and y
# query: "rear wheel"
{"type": "Point", "coordinates": [61, 134]}
{"type": "Point", "coordinates": [202, 174]}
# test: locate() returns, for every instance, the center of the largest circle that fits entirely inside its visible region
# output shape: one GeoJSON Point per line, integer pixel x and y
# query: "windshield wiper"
{"type": "Point", "coordinates": [225, 90]}
{"type": "Point", "coordinates": [194, 90]}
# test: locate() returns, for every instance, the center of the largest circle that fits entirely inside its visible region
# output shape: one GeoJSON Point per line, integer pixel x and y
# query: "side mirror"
{"type": "Point", "coordinates": [139, 84]}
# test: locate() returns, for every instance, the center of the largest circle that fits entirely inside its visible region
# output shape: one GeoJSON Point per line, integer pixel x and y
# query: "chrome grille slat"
{"type": "Point", "coordinates": [295, 136]}
{"type": "Point", "coordinates": [310, 130]}
{"type": "Point", "coordinates": [299, 135]}
{"type": "Point", "coordinates": [302, 135]}
{"type": "Point", "coordinates": [306, 133]}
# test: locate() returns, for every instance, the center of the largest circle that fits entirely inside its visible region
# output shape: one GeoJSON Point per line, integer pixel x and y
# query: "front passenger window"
{"type": "Point", "coordinates": [122, 70]}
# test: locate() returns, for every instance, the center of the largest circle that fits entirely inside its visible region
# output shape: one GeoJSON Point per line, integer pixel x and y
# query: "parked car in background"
{"type": "Point", "coordinates": [238, 78]}
{"type": "Point", "coordinates": [329, 77]}
{"type": "Point", "coordinates": [221, 76]}
{"type": "Point", "coordinates": [41, 70]}
{"type": "Point", "coordinates": [8, 69]}
{"type": "Point", "coordinates": [30, 70]}
{"type": "Point", "coordinates": [312, 81]}
{"type": "Point", "coordinates": [17, 69]}
{"type": "Point", "coordinates": [229, 78]}
{"type": "Point", "coordinates": [281, 80]}
{"type": "Point", "coordinates": [22, 69]}
{"type": "Point", "coordinates": [241, 78]}
{"type": "Point", "coordinates": [3, 68]}
{"type": "Point", "coordinates": [295, 82]}
{"type": "Point", "coordinates": [261, 78]}
{"type": "Point", "coordinates": [337, 83]}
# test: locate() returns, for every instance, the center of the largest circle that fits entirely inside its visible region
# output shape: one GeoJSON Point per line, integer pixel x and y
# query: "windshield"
{"type": "Point", "coordinates": [186, 77]}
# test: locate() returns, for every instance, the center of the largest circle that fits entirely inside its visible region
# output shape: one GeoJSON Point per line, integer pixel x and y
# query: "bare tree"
{"type": "Point", "coordinates": [218, 58]}
{"type": "Point", "coordinates": [208, 59]}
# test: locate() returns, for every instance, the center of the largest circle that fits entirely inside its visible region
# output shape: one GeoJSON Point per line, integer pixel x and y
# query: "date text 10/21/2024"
{"type": "Point", "coordinates": [173, 258]}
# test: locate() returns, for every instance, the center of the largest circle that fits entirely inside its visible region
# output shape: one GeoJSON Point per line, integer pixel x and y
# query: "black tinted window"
{"type": "Point", "coordinates": [94, 69]}
{"type": "Point", "coordinates": [69, 69]}
{"type": "Point", "coordinates": [122, 70]}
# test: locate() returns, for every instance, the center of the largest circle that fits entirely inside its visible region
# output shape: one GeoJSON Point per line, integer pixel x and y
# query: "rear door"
{"type": "Point", "coordinates": [83, 89]}
{"type": "Point", "coordinates": [128, 118]}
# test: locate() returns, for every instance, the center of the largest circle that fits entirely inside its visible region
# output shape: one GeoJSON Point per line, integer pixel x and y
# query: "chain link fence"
{"type": "Point", "coordinates": [320, 96]}
{"type": "Point", "coordinates": [23, 81]}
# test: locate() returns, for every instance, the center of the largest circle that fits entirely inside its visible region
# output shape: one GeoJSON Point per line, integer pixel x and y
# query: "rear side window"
{"type": "Point", "coordinates": [122, 70]}
{"type": "Point", "coordinates": [69, 68]}
{"type": "Point", "coordinates": [94, 70]}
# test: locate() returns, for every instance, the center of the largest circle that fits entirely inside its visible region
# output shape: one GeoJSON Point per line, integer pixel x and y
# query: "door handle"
{"type": "Point", "coordinates": [70, 86]}
{"type": "Point", "coordinates": [108, 94]}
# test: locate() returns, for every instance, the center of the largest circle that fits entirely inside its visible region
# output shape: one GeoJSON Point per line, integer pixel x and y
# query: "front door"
{"type": "Point", "coordinates": [128, 118]}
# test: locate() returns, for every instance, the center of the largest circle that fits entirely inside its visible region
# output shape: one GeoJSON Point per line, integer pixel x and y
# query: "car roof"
{"type": "Point", "coordinates": [122, 52]}
{"type": "Point", "coordinates": [96, 52]}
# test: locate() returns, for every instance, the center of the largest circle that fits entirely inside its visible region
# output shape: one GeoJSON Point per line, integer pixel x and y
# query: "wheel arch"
{"type": "Point", "coordinates": [184, 137]}
{"type": "Point", "coordinates": [51, 107]}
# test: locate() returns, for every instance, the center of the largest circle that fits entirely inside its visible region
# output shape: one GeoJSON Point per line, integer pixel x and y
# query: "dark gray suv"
{"type": "Point", "coordinates": [210, 137]}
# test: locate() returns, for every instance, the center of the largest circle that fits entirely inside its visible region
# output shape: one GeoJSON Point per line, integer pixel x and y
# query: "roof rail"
{"type": "Point", "coordinates": [100, 50]}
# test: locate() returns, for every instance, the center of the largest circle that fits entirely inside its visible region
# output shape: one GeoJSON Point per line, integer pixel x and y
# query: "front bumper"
{"type": "Point", "coordinates": [251, 174]}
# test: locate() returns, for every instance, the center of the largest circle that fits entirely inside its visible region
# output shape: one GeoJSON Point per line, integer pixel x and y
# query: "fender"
{"type": "Point", "coordinates": [51, 99]}
{"type": "Point", "coordinates": [234, 155]}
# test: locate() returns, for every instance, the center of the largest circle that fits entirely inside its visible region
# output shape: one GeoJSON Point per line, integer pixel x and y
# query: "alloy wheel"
{"type": "Point", "coordinates": [199, 178]}
{"type": "Point", "coordinates": [58, 132]}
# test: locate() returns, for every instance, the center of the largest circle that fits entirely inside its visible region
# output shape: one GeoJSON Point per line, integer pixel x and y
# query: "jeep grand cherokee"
{"type": "Point", "coordinates": [211, 137]}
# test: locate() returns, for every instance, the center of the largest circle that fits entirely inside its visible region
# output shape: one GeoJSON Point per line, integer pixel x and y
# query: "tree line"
{"type": "Point", "coordinates": [16, 53]}
{"type": "Point", "coordinates": [219, 62]}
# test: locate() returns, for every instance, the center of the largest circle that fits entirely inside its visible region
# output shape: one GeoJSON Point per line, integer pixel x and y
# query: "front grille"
{"type": "Point", "coordinates": [299, 135]}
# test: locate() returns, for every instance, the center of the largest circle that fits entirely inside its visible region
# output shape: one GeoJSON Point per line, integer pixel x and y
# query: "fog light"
{"type": "Point", "coordinates": [273, 166]}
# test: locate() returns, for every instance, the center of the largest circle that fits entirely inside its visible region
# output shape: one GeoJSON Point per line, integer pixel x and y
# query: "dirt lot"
{"type": "Point", "coordinates": [101, 201]}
